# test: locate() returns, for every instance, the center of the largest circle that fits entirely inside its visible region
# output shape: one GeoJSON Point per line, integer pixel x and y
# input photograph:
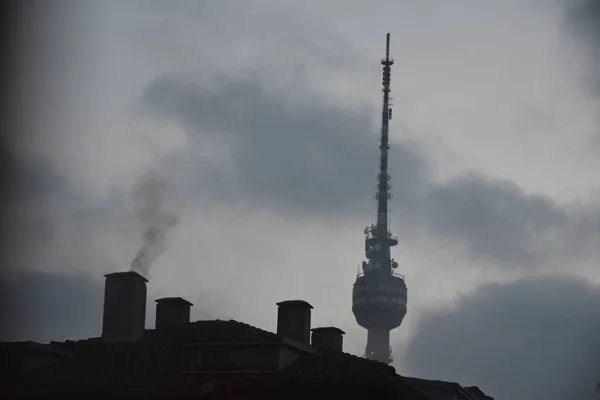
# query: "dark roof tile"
{"type": "Point", "coordinates": [218, 330]}
{"type": "Point", "coordinates": [427, 385]}
{"type": "Point", "coordinates": [335, 365]}
{"type": "Point", "coordinates": [157, 357]}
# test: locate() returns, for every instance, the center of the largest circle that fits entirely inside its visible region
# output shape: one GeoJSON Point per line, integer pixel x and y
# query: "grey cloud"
{"type": "Point", "coordinates": [27, 180]}
{"type": "Point", "coordinates": [500, 222]}
{"type": "Point", "coordinates": [584, 18]}
{"type": "Point", "coordinates": [533, 339]}
{"type": "Point", "coordinates": [587, 18]}
{"type": "Point", "coordinates": [50, 306]}
{"type": "Point", "coordinates": [306, 38]}
{"type": "Point", "coordinates": [585, 15]}
{"type": "Point", "coordinates": [309, 156]}
{"type": "Point", "coordinates": [43, 306]}
{"type": "Point", "coordinates": [28, 185]}
{"type": "Point", "coordinates": [37, 305]}
{"type": "Point", "coordinates": [37, 208]}
{"type": "Point", "coordinates": [46, 226]}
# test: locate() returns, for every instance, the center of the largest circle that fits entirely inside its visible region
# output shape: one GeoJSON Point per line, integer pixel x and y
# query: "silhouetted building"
{"type": "Point", "coordinates": [210, 359]}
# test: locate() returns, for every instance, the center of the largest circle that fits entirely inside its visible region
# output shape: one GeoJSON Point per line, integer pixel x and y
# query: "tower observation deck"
{"type": "Point", "coordinates": [379, 295]}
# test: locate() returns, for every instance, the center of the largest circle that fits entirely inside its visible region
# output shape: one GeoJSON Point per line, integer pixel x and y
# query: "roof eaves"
{"type": "Point", "coordinates": [51, 349]}
{"type": "Point", "coordinates": [424, 383]}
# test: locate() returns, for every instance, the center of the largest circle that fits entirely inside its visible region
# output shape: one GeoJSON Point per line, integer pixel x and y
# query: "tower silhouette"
{"type": "Point", "coordinates": [379, 295]}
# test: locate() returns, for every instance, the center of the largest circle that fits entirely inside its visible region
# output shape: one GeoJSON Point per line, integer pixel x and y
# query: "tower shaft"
{"type": "Point", "coordinates": [378, 344]}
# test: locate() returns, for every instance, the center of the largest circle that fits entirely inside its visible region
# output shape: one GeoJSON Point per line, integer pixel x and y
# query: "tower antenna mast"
{"type": "Point", "coordinates": [383, 188]}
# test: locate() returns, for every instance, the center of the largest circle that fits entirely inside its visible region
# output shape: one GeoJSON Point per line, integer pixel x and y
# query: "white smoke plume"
{"type": "Point", "coordinates": [149, 198]}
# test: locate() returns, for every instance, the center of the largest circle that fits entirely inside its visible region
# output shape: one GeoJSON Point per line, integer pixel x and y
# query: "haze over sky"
{"type": "Point", "coordinates": [263, 118]}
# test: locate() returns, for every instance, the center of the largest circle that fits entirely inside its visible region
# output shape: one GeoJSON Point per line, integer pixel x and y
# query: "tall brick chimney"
{"type": "Point", "coordinates": [172, 312]}
{"type": "Point", "coordinates": [328, 337]}
{"type": "Point", "coordinates": [124, 316]}
{"type": "Point", "coordinates": [293, 320]}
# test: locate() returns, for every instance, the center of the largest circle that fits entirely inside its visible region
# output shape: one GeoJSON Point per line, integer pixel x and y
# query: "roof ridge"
{"type": "Point", "coordinates": [437, 381]}
{"type": "Point", "coordinates": [251, 326]}
{"type": "Point", "coordinates": [363, 359]}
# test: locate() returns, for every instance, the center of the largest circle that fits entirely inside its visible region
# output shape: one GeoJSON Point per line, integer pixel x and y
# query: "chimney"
{"type": "Point", "coordinates": [172, 312]}
{"type": "Point", "coordinates": [328, 337]}
{"type": "Point", "coordinates": [124, 316]}
{"type": "Point", "coordinates": [293, 320]}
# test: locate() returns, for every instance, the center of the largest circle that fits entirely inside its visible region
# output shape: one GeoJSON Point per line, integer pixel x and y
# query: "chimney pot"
{"type": "Point", "coordinates": [293, 320]}
{"type": "Point", "coordinates": [124, 318]}
{"type": "Point", "coordinates": [328, 337]}
{"type": "Point", "coordinates": [172, 312]}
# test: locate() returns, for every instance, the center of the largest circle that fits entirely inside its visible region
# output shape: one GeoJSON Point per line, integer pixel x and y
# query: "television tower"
{"type": "Point", "coordinates": [379, 295]}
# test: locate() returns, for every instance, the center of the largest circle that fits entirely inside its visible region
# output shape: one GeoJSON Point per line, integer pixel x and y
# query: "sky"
{"type": "Point", "coordinates": [261, 118]}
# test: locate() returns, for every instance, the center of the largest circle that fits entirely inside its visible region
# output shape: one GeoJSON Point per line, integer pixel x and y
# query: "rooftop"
{"type": "Point", "coordinates": [174, 300]}
{"type": "Point", "coordinates": [160, 356]}
{"type": "Point", "coordinates": [126, 273]}
{"type": "Point", "coordinates": [441, 389]}
{"type": "Point", "coordinates": [159, 361]}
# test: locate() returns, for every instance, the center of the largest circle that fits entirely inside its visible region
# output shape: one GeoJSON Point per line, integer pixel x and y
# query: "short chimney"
{"type": "Point", "coordinates": [124, 316]}
{"type": "Point", "coordinates": [293, 320]}
{"type": "Point", "coordinates": [328, 337]}
{"type": "Point", "coordinates": [172, 312]}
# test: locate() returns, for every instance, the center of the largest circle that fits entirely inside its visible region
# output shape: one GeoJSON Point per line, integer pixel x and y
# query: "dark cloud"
{"type": "Point", "coordinates": [30, 191]}
{"type": "Point", "coordinates": [585, 15]}
{"type": "Point", "coordinates": [41, 217]}
{"type": "Point", "coordinates": [584, 19]}
{"type": "Point", "coordinates": [313, 157]}
{"type": "Point", "coordinates": [500, 222]}
{"type": "Point", "coordinates": [533, 339]}
{"type": "Point", "coordinates": [43, 306]}
{"type": "Point", "coordinates": [27, 180]}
